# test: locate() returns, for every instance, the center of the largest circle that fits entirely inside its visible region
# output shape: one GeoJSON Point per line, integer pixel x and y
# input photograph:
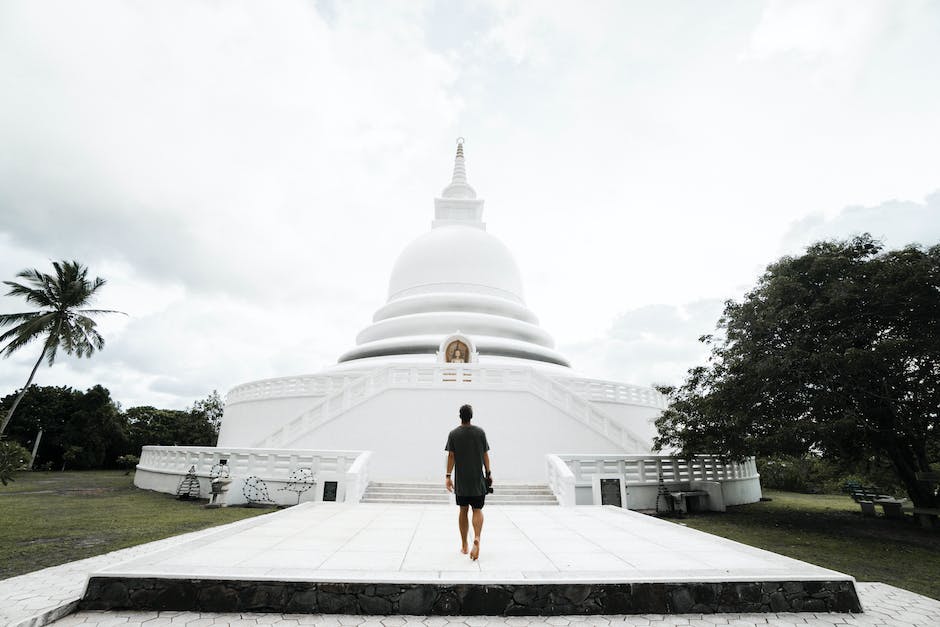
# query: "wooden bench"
{"type": "Point", "coordinates": [893, 508]}
{"type": "Point", "coordinates": [868, 508]}
{"type": "Point", "coordinates": [862, 493]}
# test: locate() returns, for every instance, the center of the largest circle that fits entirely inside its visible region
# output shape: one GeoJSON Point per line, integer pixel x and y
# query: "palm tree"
{"type": "Point", "coordinates": [59, 323]}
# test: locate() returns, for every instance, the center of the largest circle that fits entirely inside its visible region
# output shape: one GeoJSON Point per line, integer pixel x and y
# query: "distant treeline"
{"type": "Point", "coordinates": [86, 430]}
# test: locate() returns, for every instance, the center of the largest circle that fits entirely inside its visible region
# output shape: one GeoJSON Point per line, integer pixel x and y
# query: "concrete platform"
{"type": "Point", "coordinates": [404, 559]}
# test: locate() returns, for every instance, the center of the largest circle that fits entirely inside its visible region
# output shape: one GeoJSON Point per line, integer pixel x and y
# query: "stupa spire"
{"type": "Point", "coordinates": [459, 188]}
{"type": "Point", "coordinates": [458, 203]}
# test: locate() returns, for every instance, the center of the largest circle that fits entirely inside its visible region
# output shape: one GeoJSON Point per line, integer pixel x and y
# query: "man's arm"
{"type": "Point", "coordinates": [486, 462]}
{"type": "Point", "coordinates": [448, 483]}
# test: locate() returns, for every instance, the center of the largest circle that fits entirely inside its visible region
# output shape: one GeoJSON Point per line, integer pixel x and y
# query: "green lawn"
{"type": "Point", "coordinates": [50, 518]}
{"type": "Point", "coordinates": [828, 530]}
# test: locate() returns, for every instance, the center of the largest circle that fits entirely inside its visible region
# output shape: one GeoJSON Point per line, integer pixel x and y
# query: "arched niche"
{"type": "Point", "coordinates": [457, 348]}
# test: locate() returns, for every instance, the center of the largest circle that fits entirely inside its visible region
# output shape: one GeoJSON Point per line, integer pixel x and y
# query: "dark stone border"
{"type": "Point", "coordinates": [465, 599]}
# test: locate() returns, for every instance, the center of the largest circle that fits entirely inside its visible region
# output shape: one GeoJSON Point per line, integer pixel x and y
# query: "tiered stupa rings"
{"type": "Point", "coordinates": [455, 278]}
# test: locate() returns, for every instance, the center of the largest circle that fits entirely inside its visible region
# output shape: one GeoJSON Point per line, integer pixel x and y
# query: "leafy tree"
{"type": "Point", "coordinates": [61, 322]}
{"type": "Point", "coordinates": [97, 429]}
{"type": "Point", "coordinates": [81, 429]}
{"type": "Point", "coordinates": [210, 410]}
{"type": "Point", "coordinates": [835, 352]}
{"type": "Point", "coordinates": [48, 408]}
{"type": "Point", "coordinates": [149, 425]}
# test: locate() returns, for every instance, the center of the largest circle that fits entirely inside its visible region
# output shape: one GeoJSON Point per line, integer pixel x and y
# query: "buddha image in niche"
{"type": "Point", "coordinates": [457, 352]}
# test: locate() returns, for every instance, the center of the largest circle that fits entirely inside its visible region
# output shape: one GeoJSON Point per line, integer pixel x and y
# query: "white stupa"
{"type": "Point", "coordinates": [454, 330]}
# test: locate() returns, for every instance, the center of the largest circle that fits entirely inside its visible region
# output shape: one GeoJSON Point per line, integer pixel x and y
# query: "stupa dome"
{"type": "Point", "coordinates": [457, 278]}
{"type": "Point", "coordinates": [456, 258]}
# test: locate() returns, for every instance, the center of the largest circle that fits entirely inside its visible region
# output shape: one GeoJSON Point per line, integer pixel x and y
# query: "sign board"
{"type": "Point", "coordinates": [609, 490]}
{"type": "Point", "coordinates": [329, 490]}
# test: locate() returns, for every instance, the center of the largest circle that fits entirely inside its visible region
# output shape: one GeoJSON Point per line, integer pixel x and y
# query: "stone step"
{"type": "Point", "coordinates": [406, 497]}
{"type": "Point", "coordinates": [503, 484]}
{"type": "Point", "coordinates": [440, 490]}
{"type": "Point", "coordinates": [522, 487]}
{"type": "Point", "coordinates": [490, 500]}
{"type": "Point", "coordinates": [527, 498]}
{"type": "Point", "coordinates": [500, 489]}
{"type": "Point", "coordinates": [424, 492]}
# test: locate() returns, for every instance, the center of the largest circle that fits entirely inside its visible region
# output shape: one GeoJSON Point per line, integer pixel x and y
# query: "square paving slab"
{"type": "Point", "coordinates": [533, 560]}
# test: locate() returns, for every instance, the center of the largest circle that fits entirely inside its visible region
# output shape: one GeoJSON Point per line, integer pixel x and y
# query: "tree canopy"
{"type": "Point", "coordinates": [834, 352]}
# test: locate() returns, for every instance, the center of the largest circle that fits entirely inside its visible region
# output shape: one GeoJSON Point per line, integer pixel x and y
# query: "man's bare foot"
{"type": "Point", "coordinates": [464, 549]}
{"type": "Point", "coordinates": [475, 553]}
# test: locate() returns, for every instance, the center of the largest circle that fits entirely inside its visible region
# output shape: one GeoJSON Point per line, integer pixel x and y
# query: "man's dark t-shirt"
{"type": "Point", "coordinates": [468, 443]}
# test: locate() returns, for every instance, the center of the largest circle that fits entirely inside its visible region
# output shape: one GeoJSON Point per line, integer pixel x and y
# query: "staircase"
{"type": "Point", "coordinates": [359, 390]}
{"type": "Point", "coordinates": [434, 493]}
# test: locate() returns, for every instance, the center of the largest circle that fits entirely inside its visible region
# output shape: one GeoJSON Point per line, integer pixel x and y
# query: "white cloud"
{"type": "Point", "coordinates": [820, 32]}
{"type": "Point", "coordinates": [650, 345]}
{"type": "Point", "coordinates": [897, 223]}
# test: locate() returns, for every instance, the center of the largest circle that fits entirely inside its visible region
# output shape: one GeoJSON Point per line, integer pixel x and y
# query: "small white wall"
{"type": "Point", "coordinates": [741, 491]}
{"type": "Point", "coordinates": [731, 483]}
{"type": "Point", "coordinates": [407, 431]}
{"type": "Point", "coordinates": [162, 468]}
{"type": "Point", "coordinates": [168, 483]}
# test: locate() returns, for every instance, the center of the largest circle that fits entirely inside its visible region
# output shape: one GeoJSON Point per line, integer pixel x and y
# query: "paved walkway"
{"type": "Point", "coordinates": [884, 606]}
{"type": "Point", "coordinates": [41, 597]}
{"type": "Point", "coordinates": [381, 542]}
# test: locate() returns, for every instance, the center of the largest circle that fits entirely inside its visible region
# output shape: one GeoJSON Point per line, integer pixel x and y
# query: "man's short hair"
{"type": "Point", "coordinates": [466, 413]}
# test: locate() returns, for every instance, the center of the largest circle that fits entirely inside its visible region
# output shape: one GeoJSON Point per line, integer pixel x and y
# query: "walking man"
{"type": "Point", "coordinates": [468, 450]}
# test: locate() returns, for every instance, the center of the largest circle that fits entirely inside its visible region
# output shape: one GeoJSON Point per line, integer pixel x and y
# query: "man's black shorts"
{"type": "Point", "coordinates": [476, 502]}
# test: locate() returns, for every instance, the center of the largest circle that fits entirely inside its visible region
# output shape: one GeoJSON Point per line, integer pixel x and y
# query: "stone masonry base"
{"type": "Point", "coordinates": [466, 599]}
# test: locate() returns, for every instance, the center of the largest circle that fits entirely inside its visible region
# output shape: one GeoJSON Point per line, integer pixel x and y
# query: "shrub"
{"type": "Point", "coordinates": [127, 463]}
{"type": "Point", "coordinates": [817, 474]}
{"type": "Point", "coordinates": [13, 457]}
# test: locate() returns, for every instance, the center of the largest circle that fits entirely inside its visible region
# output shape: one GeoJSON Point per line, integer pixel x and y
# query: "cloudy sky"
{"type": "Point", "coordinates": [244, 174]}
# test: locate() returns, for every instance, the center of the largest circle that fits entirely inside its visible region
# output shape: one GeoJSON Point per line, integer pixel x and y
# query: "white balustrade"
{"type": "Point", "coordinates": [286, 387]}
{"type": "Point", "coordinates": [269, 464]}
{"type": "Point", "coordinates": [357, 478]}
{"type": "Point", "coordinates": [162, 467]}
{"type": "Point", "coordinates": [560, 480]}
{"type": "Point", "coordinates": [449, 375]}
{"type": "Point", "coordinates": [645, 469]}
{"type": "Point", "coordinates": [613, 392]}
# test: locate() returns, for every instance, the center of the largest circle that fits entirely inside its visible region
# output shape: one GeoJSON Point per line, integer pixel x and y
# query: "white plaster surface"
{"type": "Point", "coordinates": [393, 542]}
{"type": "Point", "coordinates": [43, 596]}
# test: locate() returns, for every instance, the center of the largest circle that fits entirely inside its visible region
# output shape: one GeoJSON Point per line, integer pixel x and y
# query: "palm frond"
{"type": "Point", "coordinates": [21, 336]}
{"type": "Point", "coordinates": [38, 295]}
{"type": "Point", "coordinates": [85, 338]}
{"type": "Point", "coordinates": [26, 332]}
{"type": "Point", "coordinates": [95, 312]}
{"type": "Point", "coordinates": [13, 318]}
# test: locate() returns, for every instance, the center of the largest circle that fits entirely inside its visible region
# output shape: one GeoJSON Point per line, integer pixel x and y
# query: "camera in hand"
{"type": "Point", "coordinates": [489, 484]}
